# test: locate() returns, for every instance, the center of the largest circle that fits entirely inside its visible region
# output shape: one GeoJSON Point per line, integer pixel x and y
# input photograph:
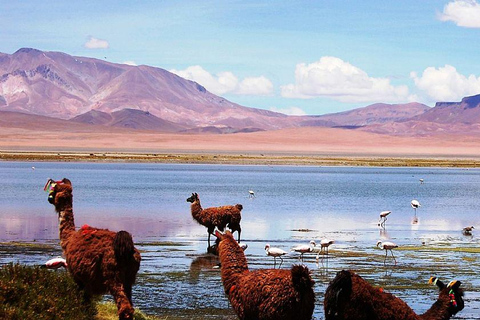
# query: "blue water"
{"type": "Point", "coordinates": [343, 203]}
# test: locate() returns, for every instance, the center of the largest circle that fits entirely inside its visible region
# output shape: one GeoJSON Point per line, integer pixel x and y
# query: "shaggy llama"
{"type": "Point", "coordinates": [350, 297]}
{"type": "Point", "coordinates": [264, 294]}
{"type": "Point", "coordinates": [220, 217]}
{"type": "Point", "coordinates": [99, 260]}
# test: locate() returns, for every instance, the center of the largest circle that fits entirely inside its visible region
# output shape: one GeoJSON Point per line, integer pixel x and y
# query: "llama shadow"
{"type": "Point", "coordinates": [205, 263]}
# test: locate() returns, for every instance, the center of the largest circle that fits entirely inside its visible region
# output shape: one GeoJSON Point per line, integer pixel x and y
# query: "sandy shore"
{"type": "Point", "coordinates": [241, 159]}
{"type": "Point", "coordinates": [296, 146]}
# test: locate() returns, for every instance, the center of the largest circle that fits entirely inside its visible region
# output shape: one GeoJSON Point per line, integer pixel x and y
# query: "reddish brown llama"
{"type": "Point", "coordinates": [350, 297]}
{"type": "Point", "coordinates": [265, 293]}
{"type": "Point", "coordinates": [99, 260]}
{"type": "Point", "coordinates": [220, 217]}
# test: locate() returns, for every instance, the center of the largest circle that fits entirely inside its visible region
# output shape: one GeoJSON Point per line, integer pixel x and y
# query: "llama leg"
{"type": "Point", "coordinates": [124, 306]}
{"type": "Point", "coordinates": [239, 231]}
{"type": "Point", "coordinates": [128, 291]}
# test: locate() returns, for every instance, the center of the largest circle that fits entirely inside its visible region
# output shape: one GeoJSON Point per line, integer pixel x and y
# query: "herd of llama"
{"type": "Point", "coordinates": [103, 261]}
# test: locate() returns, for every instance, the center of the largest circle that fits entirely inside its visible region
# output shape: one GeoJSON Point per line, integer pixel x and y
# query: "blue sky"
{"type": "Point", "coordinates": [297, 57]}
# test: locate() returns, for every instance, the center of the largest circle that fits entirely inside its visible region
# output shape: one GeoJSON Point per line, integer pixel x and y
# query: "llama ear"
{"type": "Point", "coordinates": [218, 234]}
{"type": "Point", "coordinates": [66, 181]}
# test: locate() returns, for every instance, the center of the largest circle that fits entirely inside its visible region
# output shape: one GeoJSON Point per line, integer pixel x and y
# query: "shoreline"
{"type": "Point", "coordinates": [239, 159]}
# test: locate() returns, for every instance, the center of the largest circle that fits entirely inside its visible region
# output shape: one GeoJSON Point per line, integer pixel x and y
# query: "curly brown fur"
{"type": "Point", "coordinates": [350, 297]}
{"type": "Point", "coordinates": [219, 217]}
{"type": "Point", "coordinates": [99, 260]}
{"type": "Point", "coordinates": [266, 293]}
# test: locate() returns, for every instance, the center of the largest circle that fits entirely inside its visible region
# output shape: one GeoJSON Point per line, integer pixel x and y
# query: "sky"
{"type": "Point", "coordinates": [296, 57]}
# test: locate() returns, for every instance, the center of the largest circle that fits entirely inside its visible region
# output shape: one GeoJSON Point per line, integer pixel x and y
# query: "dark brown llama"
{"type": "Point", "coordinates": [265, 293]}
{"type": "Point", "coordinates": [220, 217]}
{"type": "Point", "coordinates": [99, 260]}
{"type": "Point", "coordinates": [350, 297]}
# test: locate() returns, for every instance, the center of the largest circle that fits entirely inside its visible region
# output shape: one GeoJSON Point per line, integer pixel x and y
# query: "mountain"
{"type": "Point", "coordinates": [459, 118]}
{"type": "Point", "coordinates": [58, 85]}
{"type": "Point", "coordinates": [373, 114]}
{"type": "Point", "coordinates": [100, 93]}
{"type": "Point", "coordinates": [129, 118]}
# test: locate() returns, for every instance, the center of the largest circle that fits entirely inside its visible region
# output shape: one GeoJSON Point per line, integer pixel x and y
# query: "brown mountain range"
{"type": "Point", "coordinates": [54, 100]}
{"type": "Point", "coordinates": [93, 91]}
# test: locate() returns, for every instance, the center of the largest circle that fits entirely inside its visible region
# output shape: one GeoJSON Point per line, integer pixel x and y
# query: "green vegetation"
{"type": "Point", "coordinates": [35, 293]}
{"type": "Point", "coordinates": [42, 294]}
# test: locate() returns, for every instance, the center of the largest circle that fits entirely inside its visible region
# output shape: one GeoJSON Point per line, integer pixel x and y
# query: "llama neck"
{"type": "Point", "coordinates": [440, 310]}
{"type": "Point", "coordinates": [196, 209]}
{"type": "Point", "coordinates": [233, 261]}
{"type": "Point", "coordinates": [66, 225]}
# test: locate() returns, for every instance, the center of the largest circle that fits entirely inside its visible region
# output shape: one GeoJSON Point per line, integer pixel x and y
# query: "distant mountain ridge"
{"type": "Point", "coordinates": [58, 85]}
{"type": "Point", "coordinates": [101, 93]}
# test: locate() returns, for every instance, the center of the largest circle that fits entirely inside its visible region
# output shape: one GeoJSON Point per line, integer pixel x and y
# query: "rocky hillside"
{"type": "Point", "coordinates": [59, 85]}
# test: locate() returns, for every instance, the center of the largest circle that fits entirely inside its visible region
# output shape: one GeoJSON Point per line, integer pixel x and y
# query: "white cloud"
{"type": "Point", "coordinates": [292, 111]}
{"type": "Point", "coordinates": [130, 63]}
{"type": "Point", "coordinates": [464, 13]}
{"type": "Point", "coordinates": [255, 86]}
{"type": "Point", "coordinates": [94, 43]}
{"type": "Point", "coordinates": [226, 82]}
{"type": "Point", "coordinates": [334, 78]}
{"type": "Point", "coordinates": [446, 83]}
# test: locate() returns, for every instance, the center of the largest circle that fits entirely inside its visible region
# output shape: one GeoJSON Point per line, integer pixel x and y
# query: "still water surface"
{"type": "Point", "coordinates": [293, 205]}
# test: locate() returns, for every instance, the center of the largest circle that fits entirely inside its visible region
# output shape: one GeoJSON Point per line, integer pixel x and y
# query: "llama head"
{"type": "Point", "coordinates": [193, 198]}
{"type": "Point", "coordinates": [451, 293]}
{"type": "Point", "coordinates": [60, 194]}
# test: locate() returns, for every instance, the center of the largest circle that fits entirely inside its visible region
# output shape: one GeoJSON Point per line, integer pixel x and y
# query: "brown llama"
{"type": "Point", "coordinates": [99, 260]}
{"type": "Point", "coordinates": [264, 294]}
{"type": "Point", "coordinates": [220, 217]}
{"type": "Point", "coordinates": [350, 297]}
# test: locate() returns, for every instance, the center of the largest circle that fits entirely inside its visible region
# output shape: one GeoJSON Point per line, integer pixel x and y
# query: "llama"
{"type": "Point", "coordinates": [350, 297]}
{"type": "Point", "coordinates": [219, 217]}
{"type": "Point", "coordinates": [264, 293]}
{"type": "Point", "coordinates": [99, 260]}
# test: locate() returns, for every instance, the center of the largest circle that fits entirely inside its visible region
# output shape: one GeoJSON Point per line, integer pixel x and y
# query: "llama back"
{"type": "Point", "coordinates": [223, 216]}
{"type": "Point", "coordinates": [350, 297]}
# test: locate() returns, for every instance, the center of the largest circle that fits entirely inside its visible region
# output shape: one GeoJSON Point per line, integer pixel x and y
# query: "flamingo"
{"type": "Point", "coordinates": [275, 252]}
{"type": "Point", "coordinates": [383, 218]}
{"type": "Point", "coordinates": [387, 245]}
{"type": "Point", "coordinates": [324, 244]}
{"type": "Point", "coordinates": [415, 205]}
{"type": "Point", "coordinates": [55, 263]}
{"type": "Point", "coordinates": [304, 248]}
{"type": "Point", "coordinates": [251, 194]}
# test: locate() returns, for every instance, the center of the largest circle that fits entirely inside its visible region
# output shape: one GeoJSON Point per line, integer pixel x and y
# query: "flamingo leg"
{"type": "Point", "coordinates": [384, 260]}
{"type": "Point", "coordinates": [281, 261]}
{"type": "Point", "coordinates": [393, 257]}
{"type": "Point", "coordinates": [274, 262]}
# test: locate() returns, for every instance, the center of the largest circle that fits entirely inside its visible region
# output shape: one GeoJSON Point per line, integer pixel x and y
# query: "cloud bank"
{"type": "Point", "coordinates": [446, 83]}
{"type": "Point", "coordinates": [339, 80]}
{"type": "Point", "coordinates": [94, 43]}
{"type": "Point", "coordinates": [226, 82]}
{"type": "Point", "coordinates": [464, 13]}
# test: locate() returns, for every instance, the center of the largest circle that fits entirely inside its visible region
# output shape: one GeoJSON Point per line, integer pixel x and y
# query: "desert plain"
{"type": "Point", "coordinates": [64, 141]}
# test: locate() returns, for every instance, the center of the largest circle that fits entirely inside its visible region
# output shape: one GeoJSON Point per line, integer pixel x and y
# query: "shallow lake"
{"type": "Point", "coordinates": [292, 205]}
